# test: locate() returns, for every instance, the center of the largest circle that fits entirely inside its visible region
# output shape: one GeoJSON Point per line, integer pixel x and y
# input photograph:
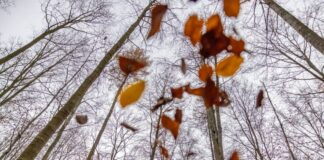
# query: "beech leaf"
{"type": "Point", "coordinates": [229, 65]}
{"type": "Point", "coordinates": [131, 93]}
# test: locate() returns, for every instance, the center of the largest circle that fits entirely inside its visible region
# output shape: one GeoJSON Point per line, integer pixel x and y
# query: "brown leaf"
{"type": "Point", "coordinates": [160, 102]}
{"type": "Point", "coordinates": [81, 119]}
{"type": "Point", "coordinates": [127, 126]}
{"type": "Point", "coordinates": [196, 91]}
{"type": "Point", "coordinates": [232, 7]}
{"type": "Point", "coordinates": [205, 72]}
{"type": "Point", "coordinates": [193, 28]}
{"type": "Point", "coordinates": [178, 116]}
{"type": "Point", "coordinates": [183, 66]}
{"type": "Point", "coordinates": [177, 92]}
{"type": "Point", "coordinates": [236, 46]}
{"type": "Point", "coordinates": [158, 12]}
{"type": "Point", "coordinates": [214, 24]}
{"type": "Point", "coordinates": [259, 99]}
{"type": "Point", "coordinates": [235, 156]}
{"type": "Point", "coordinates": [128, 65]}
{"type": "Point", "coordinates": [170, 125]}
{"type": "Point", "coordinates": [212, 45]}
{"type": "Point", "coordinates": [164, 152]}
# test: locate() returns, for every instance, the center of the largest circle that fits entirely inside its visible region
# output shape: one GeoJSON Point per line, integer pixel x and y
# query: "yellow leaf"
{"type": "Point", "coordinates": [229, 65]}
{"type": "Point", "coordinates": [131, 93]}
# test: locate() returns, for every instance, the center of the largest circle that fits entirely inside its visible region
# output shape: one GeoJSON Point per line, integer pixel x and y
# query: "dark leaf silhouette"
{"type": "Point", "coordinates": [178, 116]}
{"type": "Point", "coordinates": [127, 126]}
{"type": "Point", "coordinates": [183, 66]}
{"type": "Point", "coordinates": [81, 119]}
{"type": "Point", "coordinates": [212, 45]}
{"type": "Point", "coordinates": [157, 14]}
{"type": "Point", "coordinates": [259, 99]}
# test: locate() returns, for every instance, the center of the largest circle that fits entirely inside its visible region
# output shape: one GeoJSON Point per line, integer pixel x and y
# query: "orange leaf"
{"type": "Point", "coordinates": [212, 45]}
{"type": "Point", "coordinates": [164, 152]}
{"type": "Point", "coordinates": [157, 14]}
{"type": "Point", "coordinates": [232, 7]}
{"type": "Point", "coordinates": [171, 125]}
{"type": "Point", "coordinates": [131, 93]}
{"type": "Point", "coordinates": [205, 72]}
{"type": "Point", "coordinates": [196, 91]}
{"type": "Point", "coordinates": [177, 92]}
{"type": "Point", "coordinates": [229, 65]}
{"type": "Point", "coordinates": [237, 46]}
{"type": "Point", "coordinates": [81, 119]}
{"type": "Point", "coordinates": [127, 126]}
{"type": "Point", "coordinates": [193, 28]}
{"type": "Point", "coordinates": [259, 99]}
{"type": "Point", "coordinates": [178, 116]}
{"type": "Point", "coordinates": [214, 23]}
{"type": "Point", "coordinates": [183, 66]}
{"type": "Point", "coordinates": [235, 156]}
{"type": "Point", "coordinates": [128, 65]}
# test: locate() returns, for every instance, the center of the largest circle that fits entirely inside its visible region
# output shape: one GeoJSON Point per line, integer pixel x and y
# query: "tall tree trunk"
{"type": "Point", "coordinates": [309, 35]}
{"type": "Point", "coordinates": [58, 137]}
{"type": "Point", "coordinates": [103, 127]}
{"type": "Point", "coordinates": [156, 136]}
{"type": "Point", "coordinates": [45, 134]}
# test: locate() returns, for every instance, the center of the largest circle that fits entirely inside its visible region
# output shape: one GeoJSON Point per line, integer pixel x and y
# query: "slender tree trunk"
{"type": "Point", "coordinates": [309, 35]}
{"type": "Point", "coordinates": [103, 127]}
{"type": "Point", "coordinates": [45, 134]}
{"type": "Point", "coordinates": [58, 137]}
{"type": "Point", "coordinates": [281, 126]}
{"type": "Point", "coordinates": [156, 137]}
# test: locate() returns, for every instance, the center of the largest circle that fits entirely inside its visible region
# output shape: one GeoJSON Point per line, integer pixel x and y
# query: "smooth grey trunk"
{"type": "Point", "coordinates": [45, 134]}
{"type": "Point", "coordinates": [281, 125]}
{"type": "Point", "coordinates": [214, 134]}
{"type": "Point", "coordinates": [156, 137]}
{"type": "Point", "coordinates": [103, 127]}
{"type": "Point", "coordinates": [309, 35]}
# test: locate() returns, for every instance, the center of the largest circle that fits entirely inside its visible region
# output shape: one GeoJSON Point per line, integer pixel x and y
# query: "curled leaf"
{"type": "Point", "coordinates": [81, 119]}
{"type": "Point", "coordinates": [229, 65]}
{"type": "Point", "coordinates": [232, 7]}
{"type": "Point", "coordinates": [170, 125]}
{"type": "Point", "coordinates": [205, 72]}
{"type": "Point", "coordinates": [157, 14]}
{"type": "Point", "coordinates": [131, 93]}
{"type": "Point", "coordinates": [183, 66]}
{"type": "Point", "coordinates": [259, 99]}
{"type": "Point", "coordinates": [128, 65]}
{"type": "Point", "coordinates": [127, 126]}
{"type": "Point", "coordinates": [177, 92]}
{"type": "Point", "coordinates": [193, 28]}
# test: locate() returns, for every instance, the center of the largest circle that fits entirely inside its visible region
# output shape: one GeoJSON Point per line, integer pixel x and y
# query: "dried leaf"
{"type": "Point", "coordinates": [128, 65]}
{"type": "Point", "coordinates": [193, 28]}
{"type": "Point", "coordinates": [236, 46]}
{"type": "Point", "coordinates": [127, 126]}
{"type": "Point", "coordinates": [164, 152]}
{"type": "Point", "coordinates": [232, 7]}
{"type": "Point", "coordinates": [205, 72]}
{"type": "Point", "coordinates": [229, 65]}
{"type": "Point", "coordinates": [235, 156]}
{"type": "Point", "coordinates": [81, 119]}
{"type": "Point", "coordinates": [170, 125]}
{"type": "Point", "coordinates": [212, 45]}
{"type": "Point", "coordinates": [178, 116]}
{"type": "Point", "coordinates": [157, 14]}
{"type": "Point", "coordinates": [183, 66]}
{"type": "Point", "coordinates": [214, 24]}
{"type": "Point", "coordinates": [160, 102]}
{"type": "Point", "coordinates": [177, 92]}
{"type": "Point", "coordinates": [196, 91]}
{"type": "Point", "coordinates": [259, 99]}
{"type": "Point", "coordinates": [191, 154]}
{"type": "Point", "coordinates": [131, 93]}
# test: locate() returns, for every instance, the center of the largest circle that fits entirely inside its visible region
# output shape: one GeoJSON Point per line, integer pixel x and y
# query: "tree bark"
{"type": "Point", "coordinates": [45, 134]}
{"type": "Point", "coordinates": [309, 35]}
{"type": "Point", "coordinates": [103, 127]}
{"type": "Point", "coordinates": [156, 137]}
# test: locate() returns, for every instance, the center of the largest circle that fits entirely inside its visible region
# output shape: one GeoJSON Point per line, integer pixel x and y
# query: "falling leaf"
{"type": "Point", "coordinates": [128, 65]}
{"type": "Point", "coordinates": [196, 91]}
{"type": "Point", "coordinates": [160, 102]}
{"type": "Point", "coordinates": [178, 116]}
{"type": "Point", "coordinates": [157, 14]}
{"type": "Point", "coordinates": [259, 99]}
{"type": "Point", "coordinates": [183, 66]}
{"type": "Point", "coordinates": [127, 126]}
{"type": "Point", "coordinates": [193, 0]}
{"type": "Point", "coordinates": [212, 45]}
{"type": "Point", "coordinates": [205, 72]}
{"type": "Point", "coordinates": [164, 152]}
{"type": "Point", "coordinates": [193, 28]}
{"type": "Point", "coordinates": [214, 24]}
{"type": "Point", "coordinates": [235, 156]}
{"type": "Point", "coordinates": [131, 93]}
{"type": "Point", "coordinates": [191, 154]}
{"type": "Point", "coordinates": [177, 92]}
{"type": "Point", "coordinates": [232, 7]}
{"type": "Point", "coordinates": [81, 119]}
{"type": "Point", "coordinates": [171, 125]}
{"type": "Point", "coordinates": [236, 46]}
{"type": "Point", "coordinates": [229, 65]}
